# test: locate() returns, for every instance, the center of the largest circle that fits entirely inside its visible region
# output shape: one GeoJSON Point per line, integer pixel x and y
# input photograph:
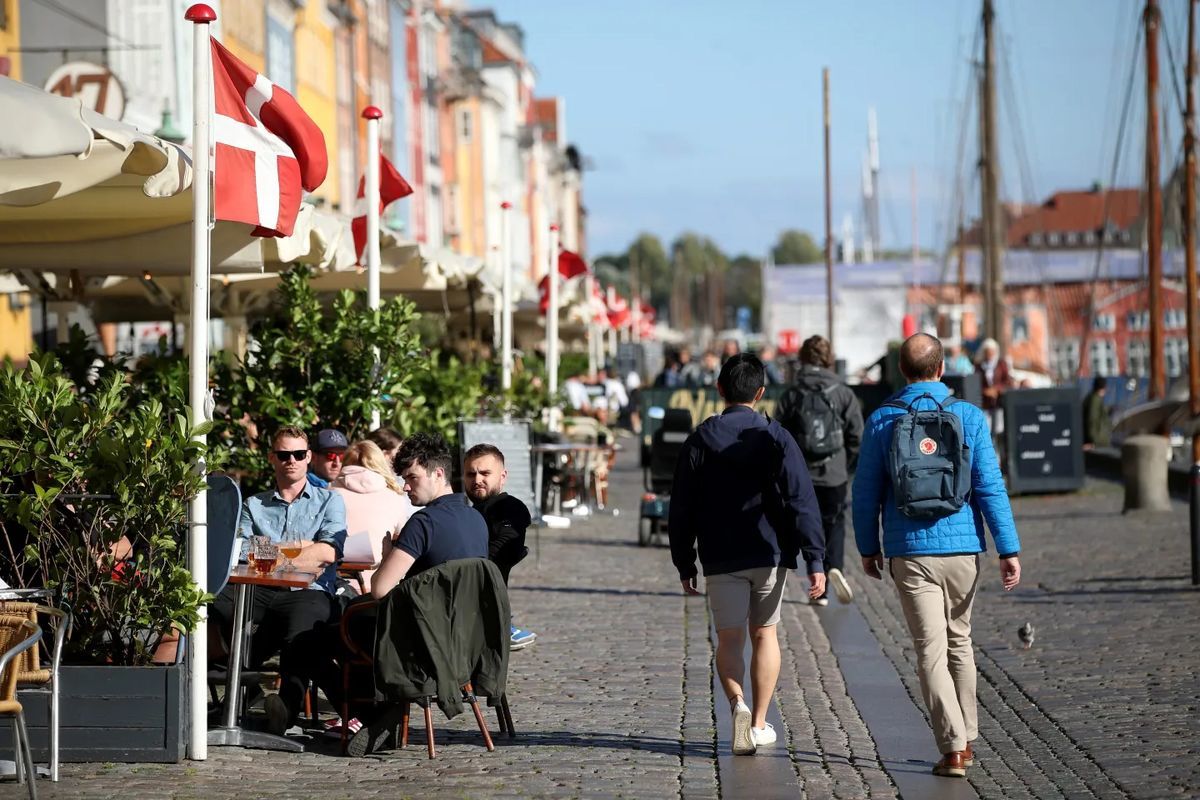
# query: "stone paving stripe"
{"type": "Point", "coordinates": [766, 775]}
{"type": "Point", "coordinates": [885, 706]}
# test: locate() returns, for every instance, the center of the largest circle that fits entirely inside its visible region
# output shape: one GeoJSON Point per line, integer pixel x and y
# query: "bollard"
{"type": "Point", "coordinates": [1144, 469]}
{"type": "Point", "coordinates": [1194, 502]}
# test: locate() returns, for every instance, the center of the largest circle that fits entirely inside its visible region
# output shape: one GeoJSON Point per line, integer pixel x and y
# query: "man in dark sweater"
{"type": "Point", "coordinates": [506, 516]}
{"type": "Point", "coordinates": [742, 492]}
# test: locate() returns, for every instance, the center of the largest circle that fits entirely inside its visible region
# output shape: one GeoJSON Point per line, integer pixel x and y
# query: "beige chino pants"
{"type": "Point", "coordinates": [936, 593]}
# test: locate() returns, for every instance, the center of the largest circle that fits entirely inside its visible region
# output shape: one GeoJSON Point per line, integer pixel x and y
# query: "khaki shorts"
{"type": "Point", "coordinates": [748, 595]}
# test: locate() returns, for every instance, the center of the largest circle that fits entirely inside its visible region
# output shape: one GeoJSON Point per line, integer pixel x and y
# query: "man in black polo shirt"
{"type": "Point", "coordinates": [444, 529]}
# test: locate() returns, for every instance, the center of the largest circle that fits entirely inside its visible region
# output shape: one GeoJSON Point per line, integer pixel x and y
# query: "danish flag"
{"type": "Point", "coordinates": [267, 150]}
{"type": "Point", "coordinates": [392, 186]}
{"type": "Point", "coordinates": [570, 265]}
{"type": "Point", "coordinates": [619, 314]}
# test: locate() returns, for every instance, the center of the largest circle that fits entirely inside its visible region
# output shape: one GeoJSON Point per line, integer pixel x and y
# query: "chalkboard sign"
{"type": "Point", "coordinates": [514, 440]}
{"type": "Point", "coordinates": [1043, 438]}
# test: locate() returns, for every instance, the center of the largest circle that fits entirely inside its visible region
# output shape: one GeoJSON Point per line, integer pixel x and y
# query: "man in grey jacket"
{"type": "Point", "coordinates": [824, 416]}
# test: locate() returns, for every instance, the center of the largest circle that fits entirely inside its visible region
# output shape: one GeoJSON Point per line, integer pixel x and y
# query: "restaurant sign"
{"type": "Point", "coordinates": [95, 86]}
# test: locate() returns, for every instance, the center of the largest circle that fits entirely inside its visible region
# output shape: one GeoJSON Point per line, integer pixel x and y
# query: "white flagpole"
{"type": "Point", "coordinates": [612, 330]}
{"type": "Point", "coordinates": [200, 16]}
{"type": "Point", "coordinates": [552, 325]}
{"type": "Point", "coordinates": [506, 302]}
{"type": "Point", "coordinates": [591, 324]}
{"type": "Point", "coordinates": [371, 197]}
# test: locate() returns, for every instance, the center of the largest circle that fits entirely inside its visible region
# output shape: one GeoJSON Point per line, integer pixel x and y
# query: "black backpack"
{"type": "Point", "coordinates": [813, 421]}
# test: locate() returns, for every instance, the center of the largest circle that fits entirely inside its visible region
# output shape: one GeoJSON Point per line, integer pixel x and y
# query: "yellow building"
{"type": "Point", "coordinates": [15, 325]}
{"type": "Point", "coordinates": [10, 36]}
{"type": "Point", "coordinates": [316, 87]}
{"type": "Point", "coordinates": [243, 31]}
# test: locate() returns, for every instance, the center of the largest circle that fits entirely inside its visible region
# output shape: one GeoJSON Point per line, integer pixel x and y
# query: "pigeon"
{"type": "Point", "coordinates": [1025, 634]}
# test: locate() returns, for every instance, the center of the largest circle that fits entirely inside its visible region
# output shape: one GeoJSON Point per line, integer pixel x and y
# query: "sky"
{"type": "Point", "coordinates": [705, 115]}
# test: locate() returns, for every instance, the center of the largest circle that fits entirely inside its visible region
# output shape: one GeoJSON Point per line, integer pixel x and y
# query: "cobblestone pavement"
{"type": "Point", "coordinates": [1104, 702]}
{"type": "Point", "coordinates": [615, 699]}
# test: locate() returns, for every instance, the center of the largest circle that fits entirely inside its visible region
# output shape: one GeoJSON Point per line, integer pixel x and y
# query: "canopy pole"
{"type": "Point", "coordinates": [200, 16]}
{"type": "Point", "coordinates": [506, 304]}
{"type": "Point", "coordinates": [552, 329]}
{"type": "Point", "coordinates": [371, 197]}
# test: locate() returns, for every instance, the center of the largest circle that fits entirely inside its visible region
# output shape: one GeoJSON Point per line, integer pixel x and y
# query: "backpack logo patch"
{"type": "Point", "coordinates": [928, 446]}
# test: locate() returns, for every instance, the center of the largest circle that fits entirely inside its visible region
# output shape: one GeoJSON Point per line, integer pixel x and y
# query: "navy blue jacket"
{"type": "Point", "coordinates": [742, 492]}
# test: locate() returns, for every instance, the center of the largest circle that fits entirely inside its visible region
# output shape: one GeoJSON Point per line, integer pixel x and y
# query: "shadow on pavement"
{"type": "Point", "coordinates": [592, 590]}
{"type": "Point", "coordinates": [543, 739]}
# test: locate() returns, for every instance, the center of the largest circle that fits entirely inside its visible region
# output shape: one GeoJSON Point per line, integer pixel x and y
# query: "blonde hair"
{"type": "Point", "coordinates": [366, 453]}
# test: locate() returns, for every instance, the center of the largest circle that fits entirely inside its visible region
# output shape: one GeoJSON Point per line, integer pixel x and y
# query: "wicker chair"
{"type": "Point", "coordinates": [18, 635]}
{"type": "Point", "coordinates": [35, 677]}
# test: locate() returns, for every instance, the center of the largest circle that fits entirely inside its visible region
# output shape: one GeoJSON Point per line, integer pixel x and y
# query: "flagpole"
{"type": "Point", "coordinates": [371, 197]}
{"type": "Point", "coordinates": [506, 304]}
{"type": "Point", "coordinates": [552, 328]}
{"type": "Point", "coordinates": [590, 288]}
{"type": "Point", "coordinates": [200, 16]}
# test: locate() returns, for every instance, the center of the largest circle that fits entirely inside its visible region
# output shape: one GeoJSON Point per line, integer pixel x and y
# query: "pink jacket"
{"type": "Point", "coordinates": [372, 510]}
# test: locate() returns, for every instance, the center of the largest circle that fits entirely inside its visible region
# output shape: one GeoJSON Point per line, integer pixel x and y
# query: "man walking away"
{"type": "Point", "coordinates": [742, 493]}
{"type": "Point", "coordinates": [933, 533]}
{"type": "Point", "coordinates": [825, 418]}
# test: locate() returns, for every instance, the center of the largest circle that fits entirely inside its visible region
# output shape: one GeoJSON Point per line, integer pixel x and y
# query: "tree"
{"type": "Point", "coordinates": [649, 257]}
{"type": "Point", "coordinates": [797, 247]}
{"type": "Point", "coordinates": [744, 286]}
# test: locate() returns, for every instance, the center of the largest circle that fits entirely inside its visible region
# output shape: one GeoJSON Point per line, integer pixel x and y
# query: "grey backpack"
{"type": "Point", "coordinates": [929, 461]}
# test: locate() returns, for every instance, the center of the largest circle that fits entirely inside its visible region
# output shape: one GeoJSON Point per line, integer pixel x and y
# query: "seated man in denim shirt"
{"type": "Point", "coordinates": [288, 621]}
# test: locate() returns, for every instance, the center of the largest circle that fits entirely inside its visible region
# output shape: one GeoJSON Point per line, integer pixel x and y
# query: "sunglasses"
{"type": "Point", "coordinates": [332, 455]}
{"type": "Point", "coordinates": [288, 455]}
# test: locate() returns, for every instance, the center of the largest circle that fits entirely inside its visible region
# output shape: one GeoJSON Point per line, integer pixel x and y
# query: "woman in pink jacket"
{"type": "Point", "coordinates": [375, 503]}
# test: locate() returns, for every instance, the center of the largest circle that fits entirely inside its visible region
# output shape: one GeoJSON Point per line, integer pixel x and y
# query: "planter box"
{"type": "Point", "coordinates": [123, 714]}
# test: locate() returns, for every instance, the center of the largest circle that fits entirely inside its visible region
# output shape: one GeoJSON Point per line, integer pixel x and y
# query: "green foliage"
{"type": "Point", "coordinates": [316, 369]}
{"type": "Point", "coordinates": [797, 247]}
{"type": "Point", "coordinates": [133, 462]}
{"type": "Point", "coordinates": [744, 286]}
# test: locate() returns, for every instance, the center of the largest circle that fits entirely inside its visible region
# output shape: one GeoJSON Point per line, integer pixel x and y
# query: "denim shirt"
{"type": "Point", "coordinates": [319, 514]}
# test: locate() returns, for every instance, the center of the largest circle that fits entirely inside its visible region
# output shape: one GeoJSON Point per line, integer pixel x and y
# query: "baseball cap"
{"type": "Point", "coordinates": [329, 439]}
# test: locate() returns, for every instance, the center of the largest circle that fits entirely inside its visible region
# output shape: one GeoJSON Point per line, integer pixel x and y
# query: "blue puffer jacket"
{"type": "Point", "coordinates": [959, 533]}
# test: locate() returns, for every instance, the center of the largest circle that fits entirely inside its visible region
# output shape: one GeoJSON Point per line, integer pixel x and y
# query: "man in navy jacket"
{"type": "Point", "coordinates": [935, 562]}
{"type": "Point", "coordinates": [742, 492]}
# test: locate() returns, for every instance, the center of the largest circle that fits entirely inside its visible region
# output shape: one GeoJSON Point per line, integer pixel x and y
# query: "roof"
{"type": "Point", "coordinates": [1079, 211]}
{"type": "Point", "coordinates": [545, 114]}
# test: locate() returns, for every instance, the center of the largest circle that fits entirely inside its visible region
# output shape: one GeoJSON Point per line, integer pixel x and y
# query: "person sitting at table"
{"type": "Point", "coordinates": [507, 517]}
{"type": "Point", "coordinates": [389, 442]}
{"type": "Point", "coordinates": [328, 452]}
{"type": "Point", "coordinates": [375, 503]}
{"type": "Point", "coordinates": [288, 621]}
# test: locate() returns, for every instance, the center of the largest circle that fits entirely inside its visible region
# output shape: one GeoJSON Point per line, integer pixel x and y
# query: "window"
{"type": "Point", "coordinates": [281, 53]}
{"type": "Point", "coordinates": [1035, 239]}
{"type": "Point", "coordinates": [1102, 357]}
{"type": "Point", "coordinates": [466, 123]}
{"type": "Point", "coordinates": [1139, 358]}
{"type": "Point", "coordinates": [1064, 355]}
{"type": "Point", "coordinates": [452, 210]}
{"type": "Point", "coordinates": [1020, 328]}
{"type": "Point", "coordinates": [1174, 318]}
{"type": "Point", "coordinates": [1175, 351]}
{"type": "Point", "coordinates": [1053, 239]}
{"type": "Point", "coordinates": [1089, 238]}
{"type": "Point", "coordinates": [1072, 238]}
{"type": "Point", "coordinates": [1138, 320]}
{"type": "Point", "coordinates": [1104, 323]}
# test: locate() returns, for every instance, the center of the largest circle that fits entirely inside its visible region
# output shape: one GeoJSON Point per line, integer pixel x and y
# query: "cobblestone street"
{"type": "Point", "coordinates": [615, 699]}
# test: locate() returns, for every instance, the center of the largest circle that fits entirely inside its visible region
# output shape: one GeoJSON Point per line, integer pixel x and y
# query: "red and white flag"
{"type": "Point", "coordinates": [392, 187]}
{"type": "Point", "coordinates": [646, 322]}
{"type": "Point", "coordinates": [570, 265]}
{"type": "Point", "coordinates": [619, 314]}
{"type": "Point", "coordinates": [267, 149]}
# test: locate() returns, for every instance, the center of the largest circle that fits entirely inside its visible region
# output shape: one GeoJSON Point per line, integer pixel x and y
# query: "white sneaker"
{"type": "Point", "coordinates": [841, 586]}
{"type": "Point", "coordinates": [763, 736]}
{"type": "Point", "coordinates": [743, 739]}
{"type": "Point", "coordinates": [818, 601]}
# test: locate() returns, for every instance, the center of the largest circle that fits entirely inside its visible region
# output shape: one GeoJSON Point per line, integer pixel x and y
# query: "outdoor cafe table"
{"type": "Point", "coordinates": [355, 569]}
{"type": "Point", "coordinates": [231, 733]}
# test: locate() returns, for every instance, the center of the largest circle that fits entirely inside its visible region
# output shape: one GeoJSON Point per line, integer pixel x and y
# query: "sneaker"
{"type": "Point", "coordinates": [841, 586]}
{"type": "Point", "coordinates": [519, 639]}
{"type": "Point", "coordinates": [763, 736]}
{"type": "Point", "coordinates": [279, 719]}
{"type": "Point", "coordinates": [333, 728]}
{"type": "Point", "coordinates": [822, 601]}
{"type": "Point", "coordinates": [743, 739]}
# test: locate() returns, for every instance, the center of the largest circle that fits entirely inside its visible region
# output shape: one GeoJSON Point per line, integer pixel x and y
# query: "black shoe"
{"type": "Point", "coordinates": [279, 718]}
{"type": "Point", "coordinates": [369, 739]}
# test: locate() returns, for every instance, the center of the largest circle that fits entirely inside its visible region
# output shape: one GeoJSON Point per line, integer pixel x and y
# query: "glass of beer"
{"type": "Point", "coordinates": [290, 547]}
{"type": "Point", "coordinates": [265, 553]}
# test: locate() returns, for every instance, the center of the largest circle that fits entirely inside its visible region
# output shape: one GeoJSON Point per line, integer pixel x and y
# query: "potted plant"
{"type": "Point", "coordinates": [93, 504]}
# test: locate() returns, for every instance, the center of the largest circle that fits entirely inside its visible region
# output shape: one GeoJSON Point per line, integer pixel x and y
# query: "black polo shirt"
{"type": "Point", "coordinates": [442, 531]}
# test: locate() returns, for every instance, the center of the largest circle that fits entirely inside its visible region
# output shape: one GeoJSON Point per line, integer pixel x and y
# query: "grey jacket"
{"type": "Point", "coordinates": [835, 470]}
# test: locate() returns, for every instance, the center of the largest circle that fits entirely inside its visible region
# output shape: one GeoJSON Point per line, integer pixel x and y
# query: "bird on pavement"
{"type": "Point", "coordinates": [1025, 634]}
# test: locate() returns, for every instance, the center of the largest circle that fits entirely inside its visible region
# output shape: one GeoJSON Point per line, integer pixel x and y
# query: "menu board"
{"type": "Point", "coordinates": [1043, 438]}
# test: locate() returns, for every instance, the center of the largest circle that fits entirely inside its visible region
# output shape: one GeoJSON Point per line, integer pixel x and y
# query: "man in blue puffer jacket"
{"type": "Point", "coordinates": [935, 562]}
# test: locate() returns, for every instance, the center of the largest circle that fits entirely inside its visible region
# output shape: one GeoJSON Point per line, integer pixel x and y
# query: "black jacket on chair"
{"type": "Point", "coordinates": [440, 629]}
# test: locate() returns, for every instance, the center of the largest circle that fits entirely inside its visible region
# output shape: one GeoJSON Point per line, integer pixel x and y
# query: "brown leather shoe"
{"type": "Point", "coordinates": [951, 766]}
{"type": "Point", "coordinates": [968, 756]}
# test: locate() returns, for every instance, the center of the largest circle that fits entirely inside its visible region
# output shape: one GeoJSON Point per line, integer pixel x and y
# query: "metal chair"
{"type": "Point", "coordinates": [18, 635]}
